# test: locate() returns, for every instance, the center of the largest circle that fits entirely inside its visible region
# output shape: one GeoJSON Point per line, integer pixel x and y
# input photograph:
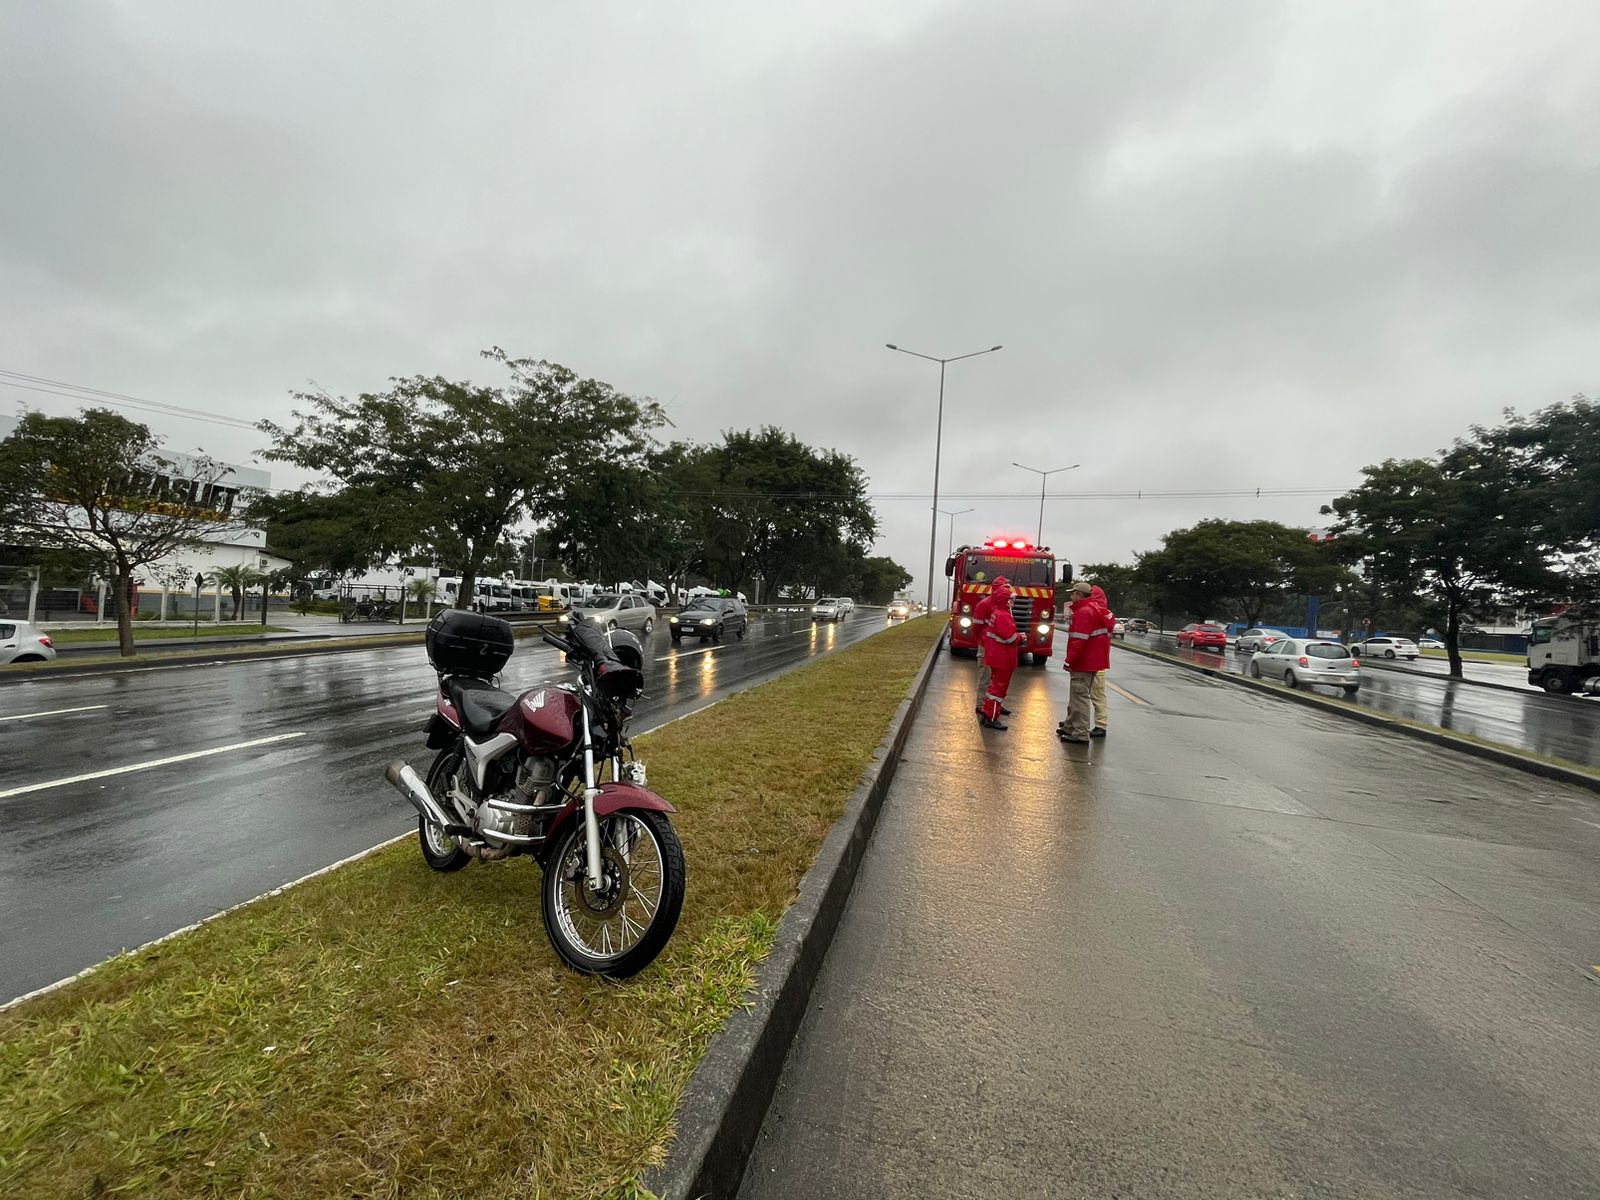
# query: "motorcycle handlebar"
{"type": "Point", "coordinates": [558, 643]}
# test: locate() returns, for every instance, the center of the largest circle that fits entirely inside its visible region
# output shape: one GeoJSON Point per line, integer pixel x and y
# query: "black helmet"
{"type": "Point", "coordinates": [627, 648]}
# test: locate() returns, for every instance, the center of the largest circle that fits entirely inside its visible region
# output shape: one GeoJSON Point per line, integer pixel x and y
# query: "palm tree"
{"type": "Point", "coordinates": [424, 592]}
{"type": "Point", "coordinates": [236, 580]}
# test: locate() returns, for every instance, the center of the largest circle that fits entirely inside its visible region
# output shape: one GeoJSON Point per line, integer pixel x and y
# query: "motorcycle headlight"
{"type": "Point", "coordinates": [1043, 629]}
{"type": "Point", "coordinates": [966, 622]}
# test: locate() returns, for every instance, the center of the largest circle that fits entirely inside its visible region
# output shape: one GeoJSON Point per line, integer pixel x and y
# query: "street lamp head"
{"type": "Point", "coordinates": [891, 345]}
{"type": "Point", "coordinates": [992, 349]}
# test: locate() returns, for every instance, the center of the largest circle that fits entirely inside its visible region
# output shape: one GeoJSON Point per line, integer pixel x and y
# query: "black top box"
{"type": "Point", "coordinates": [468, 643]}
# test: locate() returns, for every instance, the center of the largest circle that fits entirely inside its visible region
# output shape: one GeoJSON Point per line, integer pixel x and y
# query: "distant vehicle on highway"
{"type": "Point", "coordinates": [1385, 647]}
{"type": "Point", "coordinates": [1429, 643]}
{"type": "Point", "coordinates": [1119, 628]}
{"type": "Point", "coordinates": [1203, 635]}
{"type": "Point", "coordinates": [1138, 625]}
{"type": "Point", "coordinates": [1297, 661]}
{"type": "Point", "coordinates": [711, 617]}
{"type": "Point", "coordinates": [1252, 640]}
{"type": "Point", "coordinates": [830, 608]}
{"type": "Point", "coordinates": [899, 610]}
{"type": "Point", "coordinates": [21, 642]}
{"type": "Point", "coordinates": [611, 611]}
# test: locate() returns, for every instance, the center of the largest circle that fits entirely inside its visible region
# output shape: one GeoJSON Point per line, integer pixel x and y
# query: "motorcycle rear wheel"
{"type": "Point", "coordinates": [619, 931]}
{"type": "Point", "coordinates": [439, 850]}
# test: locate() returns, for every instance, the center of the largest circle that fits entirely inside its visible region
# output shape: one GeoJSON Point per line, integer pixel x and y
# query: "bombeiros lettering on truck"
{"type": "Point", "coordinates": [1031, 571]}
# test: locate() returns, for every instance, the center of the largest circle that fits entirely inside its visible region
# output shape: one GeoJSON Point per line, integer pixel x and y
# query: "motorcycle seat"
{"type": "Point", "coordinates": [480, 704]}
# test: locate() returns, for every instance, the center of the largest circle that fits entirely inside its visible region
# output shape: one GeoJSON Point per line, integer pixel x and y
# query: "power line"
{"type": "Point", "coordinates": [35, 383]}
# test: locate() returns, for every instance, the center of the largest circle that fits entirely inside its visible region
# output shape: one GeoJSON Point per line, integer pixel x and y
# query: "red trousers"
{"type": "Point", "coordinates": [999, 685]}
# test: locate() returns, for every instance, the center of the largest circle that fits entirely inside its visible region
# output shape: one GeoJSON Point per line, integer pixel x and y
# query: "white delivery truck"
{"type": "Point", "coordinates": [1564, 652]}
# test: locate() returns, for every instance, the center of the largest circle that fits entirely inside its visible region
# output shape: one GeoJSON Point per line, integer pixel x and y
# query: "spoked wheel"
{"type": "Point", "coordinates": [618, 929]}
{"type": "Point", "coordinates": [440, 850]}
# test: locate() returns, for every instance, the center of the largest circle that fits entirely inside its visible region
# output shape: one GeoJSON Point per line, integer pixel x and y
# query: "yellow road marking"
{"type": "Point", "coordinates": [1145, 704]}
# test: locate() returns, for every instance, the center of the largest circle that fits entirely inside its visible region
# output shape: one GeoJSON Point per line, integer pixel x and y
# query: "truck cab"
{"type": "Point", "coordinates": [1031, 571]}
{"type": "Point", "coordinates": [1564, 652]}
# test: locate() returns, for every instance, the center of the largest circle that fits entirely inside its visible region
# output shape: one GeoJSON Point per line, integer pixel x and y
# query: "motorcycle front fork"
{"type": "Point", "coordinates": [591, 823]}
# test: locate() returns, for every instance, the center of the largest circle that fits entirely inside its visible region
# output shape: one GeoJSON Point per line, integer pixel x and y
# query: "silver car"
{"type": "Point", "coordinates": [612, 611]}
{"type": "Point", "coordinates": [21, 642]}
{"type": "Point", "coordinates": [1309, 661]}
{"type": "Point", "coordinates": [1252, 640]}
{"type": "Point", "coordinates": [830, 608]}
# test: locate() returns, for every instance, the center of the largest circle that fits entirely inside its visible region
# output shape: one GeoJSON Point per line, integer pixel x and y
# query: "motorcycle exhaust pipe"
{"type": "Point", "coordinates": [409, 784]}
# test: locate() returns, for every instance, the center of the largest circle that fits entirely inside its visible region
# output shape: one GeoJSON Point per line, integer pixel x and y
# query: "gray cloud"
{"type": "Point", "coordinates": [1191, 225]}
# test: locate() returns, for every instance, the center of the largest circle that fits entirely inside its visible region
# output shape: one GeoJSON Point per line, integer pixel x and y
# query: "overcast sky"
{"type": "Point", "coordinates": [1225, 245]}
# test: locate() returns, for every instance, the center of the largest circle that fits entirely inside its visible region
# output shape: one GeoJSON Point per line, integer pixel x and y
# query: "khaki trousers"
{"type": "Point", "coordinates": [1080, 705]}
{"type": "Point", "coordinates": [985, 674]}
{"type": "Point", "coordinates": [1098, 695]}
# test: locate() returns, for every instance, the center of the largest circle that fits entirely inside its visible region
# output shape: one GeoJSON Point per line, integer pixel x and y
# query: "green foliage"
{"type": "Point", "coordinates": [1451, 530]}
{"type": "Point", "coordinates": [79, 486]}
{"type": "Point", "coordinates": [238, 580]}
{"type": "Point", "coordinates": [452, 467]}
{"type": "Point", "coordinates": [1235, 569]}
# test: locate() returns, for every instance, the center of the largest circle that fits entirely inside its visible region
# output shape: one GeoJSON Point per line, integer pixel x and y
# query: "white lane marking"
{"type": "Point", "coordinates": [233, 908]}
{"type": "Point", "coordinates": [54, 712]}
{"type": "Point", "coordinates": [145, 766]}
{"type": "Point", "coordinates": [692, 653]}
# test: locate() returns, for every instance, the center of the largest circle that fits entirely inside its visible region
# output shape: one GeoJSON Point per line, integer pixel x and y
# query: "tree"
{"type": "Point", "coordinates": [1237, 568]}
{"type": "Point", "coordinates": [424, 592]}
{"type": "Point", "coordinates": [97, 483]}
{"type": "Point", "coordinates": [452, 467]}
{"type": "Point", "coordinates": [1447, 530]}
{"type": "Point", "coordinates": [1546, 471]}
{"type": "Point", "coordinates": [880, 578]}
{"type": "Point", "coordinates": [238, 580]}
{"type": "Point", "coordinates": [1126, 589]}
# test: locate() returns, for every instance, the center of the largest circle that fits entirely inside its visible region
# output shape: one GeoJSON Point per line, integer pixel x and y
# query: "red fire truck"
{"type": "Point", "coordinates": [1032, 572]}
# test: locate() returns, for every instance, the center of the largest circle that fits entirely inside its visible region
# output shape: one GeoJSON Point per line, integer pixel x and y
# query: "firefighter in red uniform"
{"type": "Point", "coordinates": [1088, 652]}
{"type": "Point", "coordinates": [999, 655]}
{"type": "Point", "coordinates": [980, 622]}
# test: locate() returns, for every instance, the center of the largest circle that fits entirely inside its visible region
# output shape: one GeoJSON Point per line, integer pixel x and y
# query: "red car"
{"type": "Point", "coordinates": [1209, 636]}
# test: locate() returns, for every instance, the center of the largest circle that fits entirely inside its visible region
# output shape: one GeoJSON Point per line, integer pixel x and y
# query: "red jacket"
{"type": "Point", "coordinates": [1089, 634]}
{"type": "Point", "coordinates": [1001, 638]}
{"type": "Point", "coordinates": [980, 613]}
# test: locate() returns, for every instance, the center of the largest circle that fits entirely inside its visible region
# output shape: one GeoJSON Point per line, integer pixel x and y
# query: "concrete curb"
{"type": "Point", "coordinates": [722, 1109]}
{"type": "Point", "coordinates": [1505, 757]}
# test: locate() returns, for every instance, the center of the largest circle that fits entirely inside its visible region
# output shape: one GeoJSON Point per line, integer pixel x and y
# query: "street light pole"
{"type": "Point", "coordinates": [938, 445]}
{"type": "Point", "coordinates": [950, 548]}
{"type": "Point", "coordinates": [1044, 478]}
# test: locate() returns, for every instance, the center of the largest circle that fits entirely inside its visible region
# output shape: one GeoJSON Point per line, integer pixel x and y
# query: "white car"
{"type": "Point", "coordinates": [829, 608]}
{"type": "Point", "coordinates": [1386, 647]}
{"type": "Point", "coordinates": [1119, 628]}
{"type": "Point", "coordinates": [21, 642]}
{"type": "Point", "coordinates": [1429, 644]}
{"type": "Point", "coordinates": [1307, 661]}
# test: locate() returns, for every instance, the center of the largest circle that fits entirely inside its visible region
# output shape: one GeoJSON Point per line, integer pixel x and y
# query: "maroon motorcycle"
{"type": "Point", "coordinates": [523, 775]}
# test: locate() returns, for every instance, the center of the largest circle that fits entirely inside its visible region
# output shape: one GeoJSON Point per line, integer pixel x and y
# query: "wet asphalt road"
{"type": "Point", "coordinates": [1239, 949]}
{"type": "Point", "coordinates": [94, 867]}
{"type": "Point", "coordinates": [1561, 727]}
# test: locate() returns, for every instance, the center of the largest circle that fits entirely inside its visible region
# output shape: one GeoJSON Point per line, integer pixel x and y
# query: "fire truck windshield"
{"type": "Point", "coordinates": [1022, 572]}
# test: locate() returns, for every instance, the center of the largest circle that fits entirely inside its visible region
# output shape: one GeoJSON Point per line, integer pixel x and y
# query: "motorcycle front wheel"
{"type": "Point", "coordinates": [618, 929]}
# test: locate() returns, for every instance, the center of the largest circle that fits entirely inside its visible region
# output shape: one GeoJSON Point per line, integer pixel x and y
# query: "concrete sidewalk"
{"type": "Point", "coordinates": [1238, 949]}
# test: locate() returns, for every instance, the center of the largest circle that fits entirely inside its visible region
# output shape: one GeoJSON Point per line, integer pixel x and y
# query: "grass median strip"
{"type": "Point", "coordinates": [386, 1031]}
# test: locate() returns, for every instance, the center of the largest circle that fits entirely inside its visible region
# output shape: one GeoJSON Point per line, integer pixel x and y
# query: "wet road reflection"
{"type": "Point", "coordinates": [1557, 727]}
{"type": "Point", "coordinates": [103, 864]}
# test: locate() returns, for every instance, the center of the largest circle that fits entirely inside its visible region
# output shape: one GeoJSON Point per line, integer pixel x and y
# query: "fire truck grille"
{"type": "Point", "coordinates": [1022, 612]}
